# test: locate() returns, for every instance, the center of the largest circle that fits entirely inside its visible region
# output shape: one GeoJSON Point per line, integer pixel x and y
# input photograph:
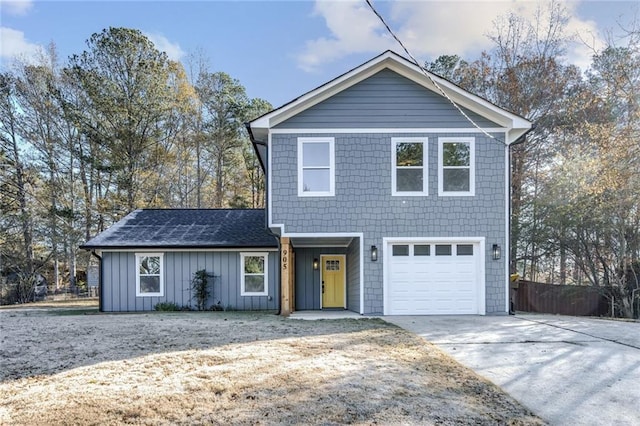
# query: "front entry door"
{"type": "Point", "coordinates": [333, 280]}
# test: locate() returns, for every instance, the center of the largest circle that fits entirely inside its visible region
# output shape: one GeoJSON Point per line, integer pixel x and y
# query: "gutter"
{"type": "Point", "coordinates": [100, 284]}
{"type": "Point", "coordinates": [255, 144]}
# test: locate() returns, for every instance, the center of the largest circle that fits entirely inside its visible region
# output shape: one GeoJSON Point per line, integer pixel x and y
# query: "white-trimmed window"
{"type": "Point", "coordinates": [409, 174]}
{"type": "Point", "coordinates": [456, 166]}
{"type": "Point", "coordinates": [316, 167]}
{"type": "Point", "coordinates": [253, 274]}
{"type": "Point", "coordinates": [149, 274]}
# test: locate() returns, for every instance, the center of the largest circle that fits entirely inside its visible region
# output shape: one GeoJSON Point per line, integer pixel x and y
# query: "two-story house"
{"type": "Point", "coordinates": [387, 189]}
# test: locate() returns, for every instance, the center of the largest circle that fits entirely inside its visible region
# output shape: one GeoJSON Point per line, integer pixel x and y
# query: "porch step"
{"type": "Point", "coordinates": [326, 314]}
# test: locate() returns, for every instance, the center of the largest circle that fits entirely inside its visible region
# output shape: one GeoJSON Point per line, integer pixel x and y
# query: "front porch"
{"type": "Point", "coordinates": [319, 273]}
{"type": "Point", "coordinates": [326, 314]}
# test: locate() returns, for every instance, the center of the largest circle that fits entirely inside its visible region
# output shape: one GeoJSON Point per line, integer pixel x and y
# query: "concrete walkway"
{"type": "Point", "coordinates": [568, 370]}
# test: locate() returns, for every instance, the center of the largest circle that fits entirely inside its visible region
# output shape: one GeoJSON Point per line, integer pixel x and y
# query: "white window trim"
{"type": "Point", "coordinates": [332, 167]}
{"type": "Point", "coordinates": [139, 256]}
{"type": "Point", "coordinates": [472, 167]}
{"type": "Point", "coordinates": [265, 255]}
{"type": "Point", "coordinates": [425, 167]}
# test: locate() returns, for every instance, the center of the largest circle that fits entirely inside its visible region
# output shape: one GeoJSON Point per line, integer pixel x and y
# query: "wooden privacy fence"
{"type": "Point", "coordinates": [559, 299]}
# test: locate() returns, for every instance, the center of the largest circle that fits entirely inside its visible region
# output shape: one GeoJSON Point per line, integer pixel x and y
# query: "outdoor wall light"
{"type": "Point", "coordinates": [316, 264]}
{"type": "Point", "coordinates": [496, 252]}
{"type": "Point", "coordinates": [374, 253]}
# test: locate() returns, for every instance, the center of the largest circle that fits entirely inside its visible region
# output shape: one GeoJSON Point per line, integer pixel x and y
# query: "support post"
{"type": "Point", "coordinates": [285, 276]}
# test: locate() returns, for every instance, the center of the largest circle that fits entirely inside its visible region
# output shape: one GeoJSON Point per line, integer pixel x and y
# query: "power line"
{"type": "Point", "coordinates": [415, 62]}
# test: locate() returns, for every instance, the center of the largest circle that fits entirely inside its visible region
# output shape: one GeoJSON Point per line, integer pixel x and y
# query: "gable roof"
{"type": "Point", "coordinates": [186, 228]}
{"type": "Point", "coordinates": [515, 125]}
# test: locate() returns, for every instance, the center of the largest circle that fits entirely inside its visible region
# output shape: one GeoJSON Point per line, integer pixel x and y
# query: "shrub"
{"type": "Point", "coordinates": [167, 306]}
{"type": "Point", "coordinates": [200, 286]}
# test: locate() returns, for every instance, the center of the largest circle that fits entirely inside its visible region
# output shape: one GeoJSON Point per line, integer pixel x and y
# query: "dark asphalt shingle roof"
{"type": "Point", "coordinates": [187, 228]}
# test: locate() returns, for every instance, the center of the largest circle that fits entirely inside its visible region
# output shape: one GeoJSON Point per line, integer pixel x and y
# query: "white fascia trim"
{"type": "Point", "coordinates": [165, 250]}
{"type": "Point", "coordinates": [507, 216]}
{"type": "Point", "coordinates": [388, 130]}
{"type": "Point", "coordinates": [319, 94]}
{"type": "Point", "coordinates": [482, 258]}
{"type": "Point", "coordinates": [448, 239]}
{"type": "Point", "coordinates": [320, 245]}
{"type": "Point", "coordinates": [402, 66]}
{"type": "Point", "coordinates": [425, 167]}
{"type": "Point", "coordinates": [472, 167]}
{"type": "Point", "coordinates": [321, 234]}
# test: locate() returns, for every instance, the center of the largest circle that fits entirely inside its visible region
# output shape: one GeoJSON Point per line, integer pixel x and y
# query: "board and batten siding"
{"type": "Point", "coordinates": [119, 278]}
{"type": "Point", "coordinates": [307, 280]}
{"type": "Point", "coordinates": [384, 100]}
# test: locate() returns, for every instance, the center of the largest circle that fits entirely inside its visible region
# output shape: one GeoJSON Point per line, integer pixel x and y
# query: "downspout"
{"type": "Point", "coordinates": [100, 284]}
{"type": "Point", "coordinates": [266, 216]}
{"type": "Point", "coordinates": [518, 141]}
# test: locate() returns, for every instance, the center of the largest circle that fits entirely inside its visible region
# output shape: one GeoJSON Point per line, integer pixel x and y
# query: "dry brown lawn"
{"type": "Point", "coordinates": [61, 367]}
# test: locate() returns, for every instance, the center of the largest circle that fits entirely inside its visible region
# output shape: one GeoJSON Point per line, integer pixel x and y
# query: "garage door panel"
{"type": "Point", "coordinates": [433, 284]}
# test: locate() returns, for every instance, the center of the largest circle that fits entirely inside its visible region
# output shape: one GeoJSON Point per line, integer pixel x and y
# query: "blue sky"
{"type": "Point", "coordinates": [281, 49]}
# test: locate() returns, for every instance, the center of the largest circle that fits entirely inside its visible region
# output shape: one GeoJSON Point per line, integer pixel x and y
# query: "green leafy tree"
{"type": "Point", "coordinates": [128, 100]}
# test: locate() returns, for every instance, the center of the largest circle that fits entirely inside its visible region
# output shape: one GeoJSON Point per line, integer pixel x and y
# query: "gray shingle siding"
{"type": "Point", "coordinates": [119, 291]}
{"type": "Point", "coordinates": [353, 276]}
{"type": "Point", "coordinates": [363, 202]}
{"type": "Point", "coordinates": [384, 100]}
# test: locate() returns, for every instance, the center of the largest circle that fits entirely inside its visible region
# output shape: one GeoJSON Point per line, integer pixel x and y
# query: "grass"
{"type": "Point", "coordinates": [234, 368]}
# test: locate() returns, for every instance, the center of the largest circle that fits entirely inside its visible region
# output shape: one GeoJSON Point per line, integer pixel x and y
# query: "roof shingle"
{"type": "Point", "coordinates": [186, 228]}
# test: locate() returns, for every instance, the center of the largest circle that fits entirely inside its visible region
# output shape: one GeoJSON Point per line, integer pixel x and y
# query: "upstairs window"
{"type": "Point", "coordinates": [456, 166]}
{"type": "Point", "coordinates": [409, 166]}
{"type": "Point", "coordinates": [316, 167]}
{"type": "Point", "coordinates": [149, 276]}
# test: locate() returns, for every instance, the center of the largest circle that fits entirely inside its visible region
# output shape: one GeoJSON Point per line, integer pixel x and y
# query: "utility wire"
{"type": "Point", "coordinates": [415, 62]}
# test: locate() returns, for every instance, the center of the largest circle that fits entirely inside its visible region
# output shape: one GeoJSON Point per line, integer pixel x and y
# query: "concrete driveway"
{"type": "Point", "coordinates": [568, 370]}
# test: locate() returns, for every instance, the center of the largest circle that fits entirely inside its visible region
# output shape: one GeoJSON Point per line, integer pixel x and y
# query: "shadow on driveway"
{"type": "Point", "coordinates": [568, 370]}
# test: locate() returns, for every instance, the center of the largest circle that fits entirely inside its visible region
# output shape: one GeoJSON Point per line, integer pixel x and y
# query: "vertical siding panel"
{"type": "Point", "coordinates": [107, 282]}
{"type": "Point", "coordinates": [169, 273]}
{"type": "Point", "coordinates": [226, 282]}
{"type": "Point", "coordinates": [174, 272]}
{"type": "Point", "coordinates": [124, 282]}
{"type": "Point", "coordinates": [217, 281]}
{"type": "Point", "coordinates": [184, 270]}
{"type": "Point", "coordinates": [274, 281]}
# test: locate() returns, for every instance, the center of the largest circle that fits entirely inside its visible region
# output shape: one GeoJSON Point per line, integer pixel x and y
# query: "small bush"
{"type": "Point", "coordinates": [200, 286]}
{"type": "Point", "coordinates": [167, 306]}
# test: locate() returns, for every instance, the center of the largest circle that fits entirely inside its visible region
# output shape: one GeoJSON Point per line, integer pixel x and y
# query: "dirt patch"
{"type": "Point", "coordinates": [241, 368]}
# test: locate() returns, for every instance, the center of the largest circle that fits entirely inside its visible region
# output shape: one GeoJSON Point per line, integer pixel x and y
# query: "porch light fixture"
{"type": "Point", "coordinates": [496, 252]}
{"type": "Point", "coordinates": [374, 253]}
{"type": "Point", "coordinates": [316, 264]}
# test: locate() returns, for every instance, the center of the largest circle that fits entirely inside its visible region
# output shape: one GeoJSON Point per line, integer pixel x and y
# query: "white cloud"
{"type": "Point", "coordinates": [173, 50]}
{"type": "Point", "coordinates": [16, 7]}
{"type": "Point", "coordinates": [14, 44]}
{"type": "Point", "coordinates": [427, 28]}
{"type": "Point", "coordinates": [353, 29]}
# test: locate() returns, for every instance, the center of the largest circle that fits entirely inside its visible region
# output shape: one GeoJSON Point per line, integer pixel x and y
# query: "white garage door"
{"type": "Point", "coordinates": [433, 278]}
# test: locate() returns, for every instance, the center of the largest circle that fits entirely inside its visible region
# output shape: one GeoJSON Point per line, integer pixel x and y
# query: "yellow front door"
{"type": "Point", "coordinates": [333, 272]}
